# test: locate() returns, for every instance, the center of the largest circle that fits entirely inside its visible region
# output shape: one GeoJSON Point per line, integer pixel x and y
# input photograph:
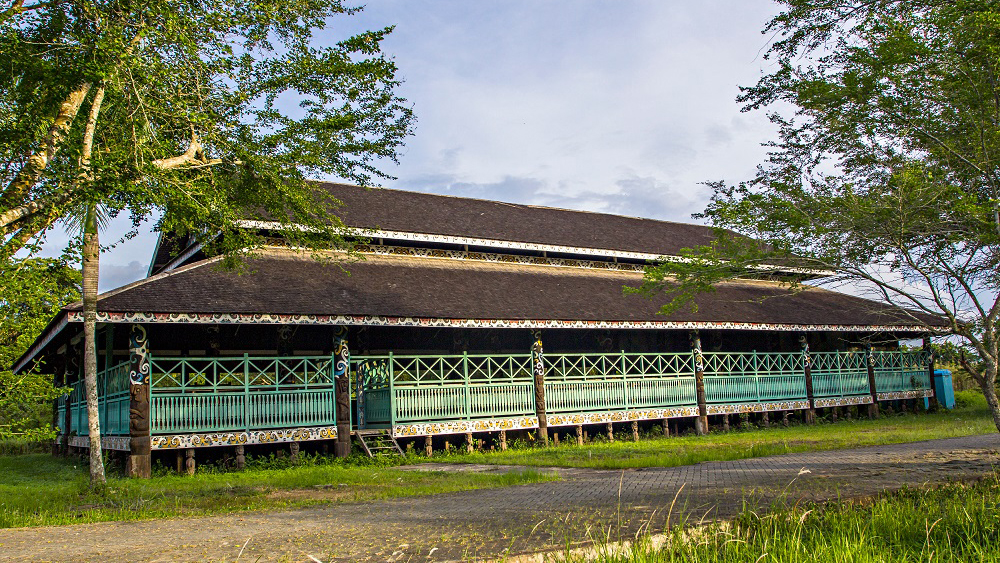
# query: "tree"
{"type": "Point", "coordinates": [886, 173]}
{"type": "Point", "coordinates": [209, 113]}
{"type": "Point", "coordinates": [31, 292]}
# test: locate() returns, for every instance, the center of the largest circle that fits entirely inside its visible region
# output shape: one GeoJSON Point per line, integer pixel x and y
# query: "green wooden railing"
{"type": "Point", "coordinates": [422, 388]}
{"type": "Point", "coordinates": [839, 374]}
{"type": "Point", "coordinates": [112, 403]}
{"type": "Point", "coordinates": [754, 377]}
{"type": "Point", "coordinates": [900, 371]}
{"type": "Point", "coordinates": [240, 393]}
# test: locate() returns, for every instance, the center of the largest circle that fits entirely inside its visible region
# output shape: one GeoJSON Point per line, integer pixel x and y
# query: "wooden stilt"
{"type": "Point", "coordinates": [635, 431]}
{"type": "Point", "coordinates": [765, 420]}
{"type": "Point", "coordinates": [469, 443]}
{"type": "Point", "coordinates": [784, 418]}
{"type": "Point", "coordinates": [725, 423]}
{"type": "Point", "coordinates": [503, 440]}
{"type": "Point", "coordinates": [665, 422]}
{"type": "Point", "coordinates": [447, 446]}
{"type": "Point", "coordinates": [180, 462]}
{"type": "Point", "coordinates": [241, 458]}
{"type": "Point", "coordinates": [611, 432]}
{"type": "Point", "coordinates": [584, 436]}
{"type": "Point", "coordinates": [835, 413]}
{"type": "Point", "coordinates": [428, 446]}
{"type": "Point", "coordinates": [189, 462]}
{"type": "Point", "coordinates": [409, 448]}
{"type": "Point", "coordinates": [555, 438]}
{"type": "Point", "coordinates": [579, 434]}
{"type": "Point", "coordinates": [293, 451]}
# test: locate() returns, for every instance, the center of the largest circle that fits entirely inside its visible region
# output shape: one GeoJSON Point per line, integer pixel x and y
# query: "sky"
{"type": "Point", "coordinates": [617, 106]}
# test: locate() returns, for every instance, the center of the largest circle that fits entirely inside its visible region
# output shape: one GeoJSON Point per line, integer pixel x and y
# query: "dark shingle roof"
{"type": "Point", "coordinates": [398, 210]}
{"type": "Point", "coordinates": [284, 282]}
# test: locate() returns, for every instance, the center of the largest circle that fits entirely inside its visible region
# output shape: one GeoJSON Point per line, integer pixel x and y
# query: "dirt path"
{"type": "Point", "coordinates": [487, 523]}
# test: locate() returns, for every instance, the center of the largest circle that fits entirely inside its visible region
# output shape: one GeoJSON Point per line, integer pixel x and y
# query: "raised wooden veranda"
{"type": "Point", "coordinates": [240, 400]}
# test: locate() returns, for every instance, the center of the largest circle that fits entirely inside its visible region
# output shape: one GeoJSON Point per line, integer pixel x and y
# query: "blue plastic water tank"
{"type": "Point", "coordinates": [944, 389]}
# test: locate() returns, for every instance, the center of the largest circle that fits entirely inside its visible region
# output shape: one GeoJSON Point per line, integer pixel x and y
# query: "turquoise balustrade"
{"type": "Point", "coordinates": [839, 374]}
{"type": "Point", "coordinates": [754, 377]}
{"type": "Point", "coordinates": [901, 371]}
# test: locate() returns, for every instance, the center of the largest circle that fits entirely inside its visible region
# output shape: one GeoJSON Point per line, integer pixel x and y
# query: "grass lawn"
{"type": "Point", "coordinates": [38, 489]}
{"type": "Point", "coordinates": [955, 522]}
{"type": "Point", "coordinates": [971, 417]}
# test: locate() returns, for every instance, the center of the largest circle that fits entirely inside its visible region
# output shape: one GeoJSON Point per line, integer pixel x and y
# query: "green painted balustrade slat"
{"type": "Point", "coordinates": [754, 377]}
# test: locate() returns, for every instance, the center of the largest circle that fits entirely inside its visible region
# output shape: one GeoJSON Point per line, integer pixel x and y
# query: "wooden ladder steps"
{"type": "Point", "coordinates": [378, 442]}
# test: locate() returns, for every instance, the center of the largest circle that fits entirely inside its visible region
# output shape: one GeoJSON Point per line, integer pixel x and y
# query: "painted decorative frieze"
{"type": "Point", "coordinates": [368, 320]}
{"type": "Point", "coordinates": [843, 401]}
{"type": "Point", "coordinates": [895, 395]}
{"type": "Point", "coordinates": [211, 439]}
{"type": "Point", "coordinates": [116, 443]}
{"type": "Point", "coordinates": [757, 407]}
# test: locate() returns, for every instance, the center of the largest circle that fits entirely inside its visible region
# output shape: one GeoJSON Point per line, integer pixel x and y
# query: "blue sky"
{"type": "Point", "coordinates": [614, 106]}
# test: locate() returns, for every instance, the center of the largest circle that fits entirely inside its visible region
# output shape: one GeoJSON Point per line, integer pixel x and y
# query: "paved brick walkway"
{"type": "Point", "coordinates": [486, 523]}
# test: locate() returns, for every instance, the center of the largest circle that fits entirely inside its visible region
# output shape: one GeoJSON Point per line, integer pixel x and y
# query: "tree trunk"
{"type": "Point", "coordinates": [91, 268]}
{"type": "Point", "coordinates": [990, 392]}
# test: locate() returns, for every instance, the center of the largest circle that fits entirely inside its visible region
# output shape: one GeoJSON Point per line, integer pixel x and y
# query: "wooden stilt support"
{"type": "Point", "coordinates": [555, 438]}
{"type": "Point", "coordinates": [180, 462]}
{"type": "Point", "coordinates": [293, 452]}
{"type": "Point", "coordinates": [784, 418]}
{"type": "Point", "coordinates": [409, 448]}
{"type": "Point", "coordinates": [428, 446]}
{"type": "Point", "coordinates": [635, 431]}
{"type": "Point", "coordinates": [447, 447]}
{"type": "Point", "coordinates": [469, 444]}
{"type": "Point", "coordinates": [611, 432]}
{"type": "Point", "coordinates": [701, 425]}
{"type": "Point", "coordinates": [503, 440]}
{"type": "Point", "coordinates": [579, 434]}
{"type": "Point", "coordinates": [725, 423]}
{"type": "Point", "coordinates": [189, 461]}
{"type": "Point", "coordinates": [835, 413]}
{"type": "Point", "coordinates": [665, 423]}
{"type": "Point", "coordinates": [765, 419]}
{"type": "Point", "coordinates": [241, 458]}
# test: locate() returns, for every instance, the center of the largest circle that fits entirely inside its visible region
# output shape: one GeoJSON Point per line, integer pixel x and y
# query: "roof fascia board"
{"type": "Point", "coordinates": [51, 332]}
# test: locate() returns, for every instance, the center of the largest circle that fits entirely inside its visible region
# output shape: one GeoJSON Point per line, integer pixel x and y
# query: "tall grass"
{"type": "Point", "coordinates": [952, 523]}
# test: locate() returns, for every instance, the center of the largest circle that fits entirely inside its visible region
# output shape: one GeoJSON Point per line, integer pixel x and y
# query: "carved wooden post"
{"type": "Point", "coordinates": [241, 458]}
{"type": "Point", "coordinates": [872, 388]}
{"type": "Point", "coordinates": [139, 459]}
{"type": "Point", "coordinates": [807, 369]}
{"type": "Point", "coordinates": [701, 425]}
{"type": "Point", "coordinates": [428, 446]}
{"type": "Point", "coordinates": [503, 440]}
{"type": "Point", "coordinates": [189, 461]}
{"type": "Point", "coordinates": [930, 371]}
{"type": "Point", "coordinates": [342, 391]}
{"type": "Point", "coordinates": [538, 368]}
{"type": "Point", "coordinates": [635, 431]}
{"type": "Point", "coordinates": [293, 452]}
{"type": "Point", "coordinates": [579, 434]}
{"type": "Point", "coordinates": [666, 427]}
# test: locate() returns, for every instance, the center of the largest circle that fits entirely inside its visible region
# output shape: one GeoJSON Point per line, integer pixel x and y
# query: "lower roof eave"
{"type": "Point", "coordinates": [373, 320]}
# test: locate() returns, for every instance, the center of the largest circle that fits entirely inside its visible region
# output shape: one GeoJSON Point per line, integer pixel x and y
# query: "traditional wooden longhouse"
{"type": "Point", "coordinates": [440, 330]}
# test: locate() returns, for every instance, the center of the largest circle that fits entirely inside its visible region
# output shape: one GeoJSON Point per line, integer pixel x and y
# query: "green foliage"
{"type": "Point", "coordinates": [885, 171]}
{"type": "Point", "coordinates": [212, 113]}
{"type": "Point", "coordinates": [31, 292]}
